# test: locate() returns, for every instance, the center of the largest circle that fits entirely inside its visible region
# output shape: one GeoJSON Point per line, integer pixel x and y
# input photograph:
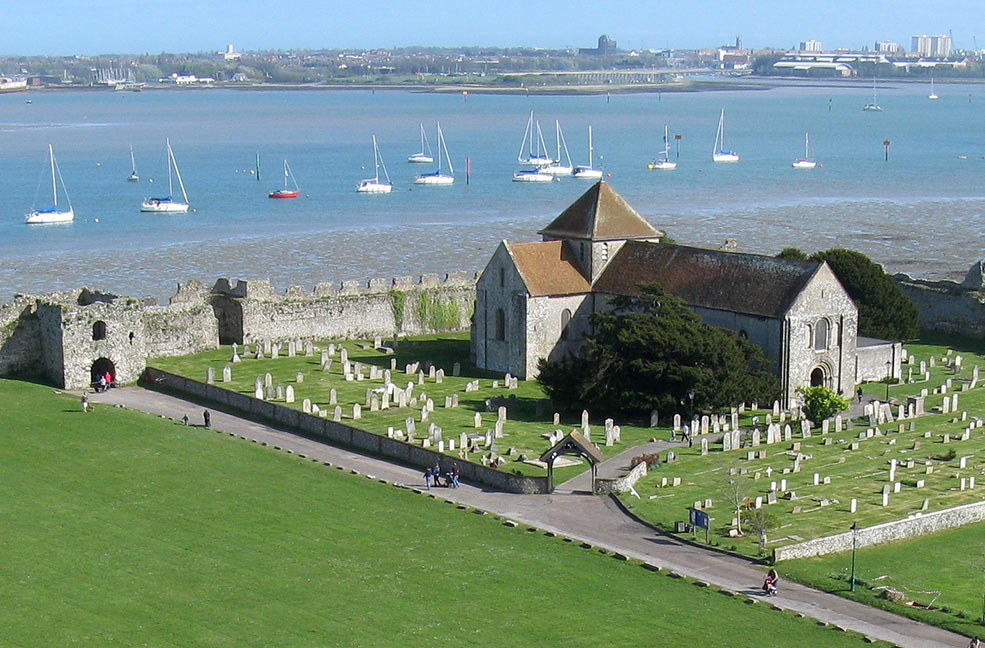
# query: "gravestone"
{"type": "Point", "coordinates": [853, 505]}
{"type": "Point", "coordinates": [306, 405]}
{"type": "Point", "coordinates": [210, 375]}
{"type": "Point", "coordinates": [654, 418]}
{"type": "Point", "coordinates": [280, 391]}
{"type": "Point", "coordinates": [726, 442]}
{"type": "Point", "coordinates": [704, 445]}
{"type": "Point", "coordinates": [289, 394]}
{"type": "Point", "coordinates": [456, 369]}
{"type": "Point", "coordinates": [357, 412]}
{"type": "Point", "coordinates": [227, 374]}
{"type": "Point", "coordinates": [337, 414]}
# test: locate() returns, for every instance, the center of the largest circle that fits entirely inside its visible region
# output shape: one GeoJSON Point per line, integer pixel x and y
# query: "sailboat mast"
{"type": "Point", "coordinates": [51, 160]}
{"type": "Point", "coordinates": [376, 160]}
{"type": "Point", "coordinates": [170, 158]}
{"type": "Point", "coordinates": [177, 172]}
{"type": "Point", "coordinates": [286, 175]}
{"type": "Point", "coordinates": [591, 151]}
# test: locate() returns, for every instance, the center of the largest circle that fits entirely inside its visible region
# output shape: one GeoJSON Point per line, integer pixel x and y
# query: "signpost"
{"type": "Point", "coordinates": [700, 519]}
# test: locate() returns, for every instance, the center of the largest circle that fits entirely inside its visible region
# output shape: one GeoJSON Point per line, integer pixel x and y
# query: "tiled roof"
{"type": "Point", "coordinates": [548, 268]}
{"type": "Point", "coordinates": [729, 281]}
{"type": "Point", "coordinates": [600, 214]}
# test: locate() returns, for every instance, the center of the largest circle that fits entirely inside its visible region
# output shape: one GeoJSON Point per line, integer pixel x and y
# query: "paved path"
{"type": "Point", "coordinates": [573, 512]}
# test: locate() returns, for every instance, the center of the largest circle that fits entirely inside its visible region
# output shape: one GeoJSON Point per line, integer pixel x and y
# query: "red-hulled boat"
{"type": "Point", "coordinates": [286, 192]}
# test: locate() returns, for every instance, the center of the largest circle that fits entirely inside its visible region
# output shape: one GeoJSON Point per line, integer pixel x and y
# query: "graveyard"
{"type": "Point", "coordinates": [121, 527]}
{"type": "Point", "coordinates": [514, 427]}
{"type": "Point", "coordinates": [817, 481]}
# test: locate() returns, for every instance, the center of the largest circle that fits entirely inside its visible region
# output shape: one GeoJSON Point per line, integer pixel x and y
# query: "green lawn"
{"type": "Point", "coordinates": [125, 529]}
{"type": "Point", "coordinates": [946, 569]}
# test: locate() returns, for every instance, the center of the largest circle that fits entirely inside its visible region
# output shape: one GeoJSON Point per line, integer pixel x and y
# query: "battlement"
{"type": "Point", "coordinates": [263, 290]}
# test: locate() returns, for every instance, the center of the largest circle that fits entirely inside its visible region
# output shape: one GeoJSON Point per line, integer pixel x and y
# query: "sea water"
{"type": "Point", "coordinates": [921, 212]}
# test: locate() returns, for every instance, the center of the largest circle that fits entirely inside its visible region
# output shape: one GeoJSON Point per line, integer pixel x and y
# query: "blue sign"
{"type": "Point", "coordinates": [699, 518]}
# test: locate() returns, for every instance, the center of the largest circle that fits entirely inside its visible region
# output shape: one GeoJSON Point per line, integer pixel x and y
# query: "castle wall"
{"type": "Point", "coordinates": [20, 341]}
{"type": "Point", "coordinates": [251, 311]}
{"type": "Point", "coordinates": [947, 306]}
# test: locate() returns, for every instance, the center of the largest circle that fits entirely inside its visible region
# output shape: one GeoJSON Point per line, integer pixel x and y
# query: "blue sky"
{"type": "Point", "coordinates": [137, 26]}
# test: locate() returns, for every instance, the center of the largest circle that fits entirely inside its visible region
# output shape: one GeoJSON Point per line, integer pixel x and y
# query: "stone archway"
{"type": "Point", "coordinates": [100, 367]}
{"type": "Point", "coordinates": [817, 377]}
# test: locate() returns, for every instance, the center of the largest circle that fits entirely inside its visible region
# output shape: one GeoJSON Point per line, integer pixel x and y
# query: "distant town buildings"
{"type": "Point", "coordinates": [889, 47]}
{"type": "Point", "coordinates": [230, 54]}
{"type": "Point", "coordinates": [605, 47]}
{"type": "Point", "coordinates": [931, 45]}
{"type": "Point", "coordinates": [810, 46]}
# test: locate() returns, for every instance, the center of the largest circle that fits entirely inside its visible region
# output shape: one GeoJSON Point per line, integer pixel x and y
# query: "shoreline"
{"type": "Point", "coordinates": [748, 83]}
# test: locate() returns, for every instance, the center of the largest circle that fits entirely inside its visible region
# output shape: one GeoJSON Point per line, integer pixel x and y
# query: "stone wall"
{"type": "Point", "coordinates": [947, 306]}
{"type": "Point", "coordinates": [871, 361]}
{"type": "Point", "coordinates": [252, 311]}
{"type": "Point", "coordinates": [915, 525]}
{"type": "Point", "coordinates": [20, 338]}
{"type": "Point", "coordinates": [345, 435]}
{"type": "Point", "coordinates": [606, 486]}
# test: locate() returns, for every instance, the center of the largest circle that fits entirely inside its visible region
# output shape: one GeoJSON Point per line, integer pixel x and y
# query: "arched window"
{"type": "Point", "coordinates": [821, 335]}
{"type": "Point", "coordinates": [605, 252]}
{"type": "Point", "coordinates": [500, 324]}
{"type": "Point", "coordinates": [817, 377]}
{"type": "Point", "coordinates": [99, 330]}
{"type": "Point", "coordinates": [565, 320]}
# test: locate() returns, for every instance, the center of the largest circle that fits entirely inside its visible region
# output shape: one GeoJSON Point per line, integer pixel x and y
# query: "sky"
{"type": "Point", "coordinates": [87, 27]}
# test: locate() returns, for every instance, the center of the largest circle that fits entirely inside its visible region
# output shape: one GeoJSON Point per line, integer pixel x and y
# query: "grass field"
{"type": "Point", "coordinates": [125, 529]}
{"type": "Point", "coordinates": [946, 570]}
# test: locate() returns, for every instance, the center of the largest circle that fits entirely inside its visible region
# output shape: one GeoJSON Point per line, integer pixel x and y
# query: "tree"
{"type": "Point", "coordinates": [735, 493]}
{"type": "Point", "coordinates": [650, 352]}
{"type": "Point", "coordinates": [792, 254]}
{"type": "Point", "coordinates": [883, 310]}
{"type": "Point", "coordinates": [821, 402]}
{"type": "Point", "coordinates": [762, 522]}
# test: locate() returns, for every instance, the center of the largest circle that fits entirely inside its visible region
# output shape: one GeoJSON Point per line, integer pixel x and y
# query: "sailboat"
{"type": "Point", "coordinates": [53, 214]}
{"type": "Point", "coordinates": [373, 185]}
{"type": "Point", "coordinates": [932, 95]}
{"type": "Point", "coordinates": [805, 162]}
{"type": "Point", "coordinates": [874, 106]}
{"type": "Point", "coordinates": [287, 192]}
{"type": "Point", "coordinates": [664, 163]}
{"type": "Point", "coordinates": [133, 177]}
{"type": "Point", "coordinates": [557, 168]}
{"type": "Point", "coordinates": [720, 153]}
{"type": "Point", "coordinates": [533, 141]}
{"type": "Point", "coordinates": [588, 172]}
{"type": "Point", "coordinates": [425, 156]}
{"type": "Point", "coordinates": [168, 203]}
{"type": "Point", "coordinates": [437, 177]}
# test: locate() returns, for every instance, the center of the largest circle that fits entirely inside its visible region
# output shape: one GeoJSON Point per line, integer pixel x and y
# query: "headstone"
{"type": "Point", "coordinates": [654, 418]}
{"type": "Point", "coordinates": [755, 437]}
{"type": "Point", "coordinates": [726, 442]}
{"type": "Point", "coordinates": [677, 422]}
{"type": "Point", "coordinates": [357, 412]}
{"type": "Point", "coordinates": [210, 375]}
{"type": "Point", "coordinates": [227, 374]}
{"type": "Point", "coordinates": [289, 394]}
{"type": "Point", "coordinates": [280, 391]}
{"type": "Point", "coordinates": [306, 405]}
{"type": "Point", "coordinates": [704, 445]}
{"type": "Point", "coordinates": [456, 369]}
{"type": "Point", "coordinates": [337, 414]}
{"type": "Point", "coordinates": [852, 505]}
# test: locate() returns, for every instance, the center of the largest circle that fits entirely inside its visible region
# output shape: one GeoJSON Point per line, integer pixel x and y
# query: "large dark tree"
{"type": "Point", "coordinates": [648, 353]}
{"type": "Point", "coordinates": [883, 310]}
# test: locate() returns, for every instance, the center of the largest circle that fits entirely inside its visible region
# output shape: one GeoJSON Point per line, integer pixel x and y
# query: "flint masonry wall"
{"type": "Point", "coordinates": [947, 306]}
{"type": "Point", "coordinates": [20, 338]}
{"type": "Point", "coordinates": [252, 311]}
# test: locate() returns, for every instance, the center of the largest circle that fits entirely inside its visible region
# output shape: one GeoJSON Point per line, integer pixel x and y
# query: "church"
{"type": "Point", "coordinates": [534, 300]}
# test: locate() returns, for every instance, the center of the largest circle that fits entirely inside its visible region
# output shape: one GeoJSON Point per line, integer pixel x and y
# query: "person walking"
{"type": "Point", "coordinates": [207, 417]}
{"type": "Point", "coordinates": [454, 475]}
{"type": "Point", "coordinates": [85, 401]}
{"type": "Point", "coordinates": [427, 478]}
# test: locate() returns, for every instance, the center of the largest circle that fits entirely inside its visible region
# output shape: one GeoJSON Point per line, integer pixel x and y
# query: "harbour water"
{"type": "Point", "coordinates": [921, 212]}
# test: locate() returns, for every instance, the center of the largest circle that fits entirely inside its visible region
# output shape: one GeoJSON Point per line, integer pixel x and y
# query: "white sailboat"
{"type": "Point", "coordinates": [806, 162]}
{"type": "Point", "coordinates": [932, 95]}
{"type": "Point", "coordinates": [557, 168]}
{"type": "Point", "coordinates": [533, 141]}
{"type": "Point", "coordinates": [874, 106]}
{"type": "Point", "coordinates": [540, 174]}
{"type": "Point", "coordinates": [437, 177]}
{"type": "Point", "coordinates": [53, 214]}
{"type": "Point", "coordinates": [588, 172]}
{"type": "Point", "coordinates": [168, 203]}
{"type": "Point", "coordinates": [664, 163]}
{"type": "Point", "coordinates": [720, 153]}
{"type": "Point", "coordinates": [373, 185]}
{"type": "Point", "coordinates": [425, 156]}
{"type": "Point", "coordinates": [133, 177]}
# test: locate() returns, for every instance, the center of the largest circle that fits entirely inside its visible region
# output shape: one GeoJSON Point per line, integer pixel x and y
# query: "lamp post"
{"type": "Point", "coordinates": [854, 546]}
{"type": "Point", "coordinates": [690, 395]}
{"type": "Point", "coordinates": [889, 376]}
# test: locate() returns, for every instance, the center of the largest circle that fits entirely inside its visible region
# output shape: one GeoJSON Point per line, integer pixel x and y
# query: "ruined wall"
{"type": "Point", "coordinates": [252, 311]}
{"type": "Point", "coordinates": [20, 347]}
{"type": "Point", "coordinates": [947, 306]}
